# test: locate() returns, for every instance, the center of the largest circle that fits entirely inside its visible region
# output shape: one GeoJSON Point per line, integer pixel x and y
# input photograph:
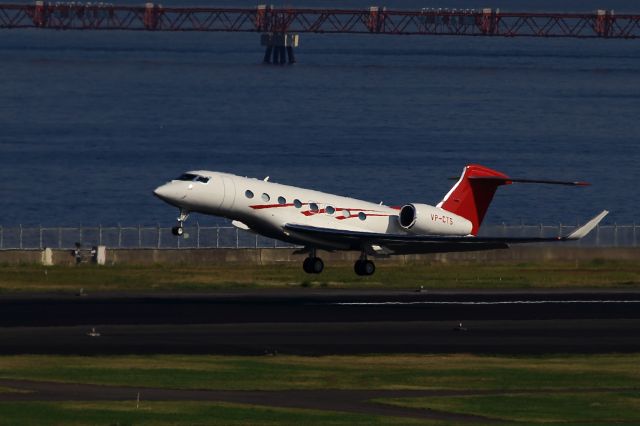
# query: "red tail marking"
{"type": "Point", "coordinates": [470, 198]}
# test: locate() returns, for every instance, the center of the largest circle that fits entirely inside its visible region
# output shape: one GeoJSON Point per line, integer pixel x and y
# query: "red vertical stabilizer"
{"type": "Point", "coordinates": [471, 195]}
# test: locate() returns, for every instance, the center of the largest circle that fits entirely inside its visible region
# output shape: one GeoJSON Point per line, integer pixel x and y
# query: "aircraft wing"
{"type": "Point", "coordinates": [411, 244]}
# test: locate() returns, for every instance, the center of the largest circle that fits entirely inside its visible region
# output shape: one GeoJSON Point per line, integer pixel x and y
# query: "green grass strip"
{"type": "Point", "coordinates": [453, 372]}
{"type": "Point", "coordinates": [593, 274]}
{"type": "Point", "coordinates": [582, 408]}
{"type": "Point", "coordinates": [178, 413]}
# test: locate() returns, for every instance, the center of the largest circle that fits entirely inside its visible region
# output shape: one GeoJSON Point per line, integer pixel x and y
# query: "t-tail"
{"type": "Point", "coordinates": [471, 195]}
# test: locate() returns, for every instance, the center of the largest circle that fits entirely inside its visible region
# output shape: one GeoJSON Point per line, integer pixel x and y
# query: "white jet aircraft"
{"type": "Point", "coordinates": [318, 220]}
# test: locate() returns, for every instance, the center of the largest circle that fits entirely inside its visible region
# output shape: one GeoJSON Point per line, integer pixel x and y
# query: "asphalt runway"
{"type": "Point", "coordinates": [313, 322]}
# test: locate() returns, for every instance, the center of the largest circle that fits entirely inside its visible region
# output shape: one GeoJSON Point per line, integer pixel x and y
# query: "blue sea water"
{"type": "Point", "coordinates": [91, 122]}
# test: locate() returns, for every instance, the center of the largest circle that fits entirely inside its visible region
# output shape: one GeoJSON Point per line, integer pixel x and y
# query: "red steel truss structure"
{"type": "Point", "coordinates": [266, 19]}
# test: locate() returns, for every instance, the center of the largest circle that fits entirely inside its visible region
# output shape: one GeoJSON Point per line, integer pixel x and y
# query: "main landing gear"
{"type": "Point", "coordinates": [363, 266]}
{"type": "Point", "coordinates": [313, 264]}
{"type": "Point", "coordinates": [179, 229]}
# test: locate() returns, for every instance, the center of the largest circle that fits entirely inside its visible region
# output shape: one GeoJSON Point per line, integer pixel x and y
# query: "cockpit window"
{"type": "Point", "coordinates": [190, 177]}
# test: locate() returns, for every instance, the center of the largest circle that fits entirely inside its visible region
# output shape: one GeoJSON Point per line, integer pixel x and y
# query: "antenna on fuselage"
{"type": "Point", "coordinates": [266, 179]}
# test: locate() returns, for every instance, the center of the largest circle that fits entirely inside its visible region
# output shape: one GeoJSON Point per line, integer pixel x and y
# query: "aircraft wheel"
{"type": "Point", "coordinates": [369, 267]}
{"type": "Point", "coordinates": [364, 267]}
{"type": "Point", "coordinates": [306, 265]}
{"type": "Point", "coordinates": [317, 265]}
{"type": "Point", "coordinates": [313, 265]}
{"type": "Point", "coordinates": [177, 230]}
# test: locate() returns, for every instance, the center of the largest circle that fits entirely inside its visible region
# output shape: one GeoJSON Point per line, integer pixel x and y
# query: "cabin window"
{"type": "Point", "coordinates": [313, 207]}
{"type": "Point", "coordinates": [362, 216]}
{"type": "Point", "coordinates": [248, 194]}
{"type": "Point", "coordinates": [282, 200]}
{"type": "Point", "coordinates": [330, 210]}
{"type": "Point", "coordinates": [297, 203]}
{"type": "Point", "coordinates": [265, 197]}
{"type": "Point", "coordinates": [346, 213]}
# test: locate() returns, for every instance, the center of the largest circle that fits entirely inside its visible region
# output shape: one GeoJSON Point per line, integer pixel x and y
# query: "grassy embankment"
{"type": "Point", "coordinates": [598, 389]}
{"type": "Point", "coordinates": [594, 274]}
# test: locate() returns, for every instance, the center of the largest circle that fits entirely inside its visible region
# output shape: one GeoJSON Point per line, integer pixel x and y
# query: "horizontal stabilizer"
{"type": "Point", "coordinates": [587, 227]}
{"type": "Point", "coordinates": [507, 181]}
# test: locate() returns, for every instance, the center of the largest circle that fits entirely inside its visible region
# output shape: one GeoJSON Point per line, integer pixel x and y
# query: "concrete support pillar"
{"type": "Point", "coordinates": [377, 17]}
{"type": "Point", "coordinates": [47, 257]}
{"type": "Point", "coordinates": [262, 13]}
{"type": "Point", "coordinates": [40, 14]}
{"type": "Point", "coordinates": [292, 59]}
{"type": "Point", "coordinates": [267, 55]}
{"type": "Point", "coordinates": [372, 23]}
{"type": "Point", "coordinates": [101, 255]}
{"type": "Point", "coordinates": [279, 47]}
{"type": "Point", "coordinates": [604, 22]}
{"type": "Point", "coordinates": [489, 22]}
{"type": "Point", "coordinates": [150, 16]}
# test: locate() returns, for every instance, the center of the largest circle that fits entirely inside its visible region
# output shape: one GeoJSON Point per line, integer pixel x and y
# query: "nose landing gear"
{"type": "Point", "coordinates": [179, 229]}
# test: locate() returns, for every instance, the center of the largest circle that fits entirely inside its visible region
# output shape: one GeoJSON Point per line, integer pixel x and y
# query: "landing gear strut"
{"type": "Point", "coordinates": [313, 264]}
{"type": "Point", "coordinates": [179, 229]}
{"type": "Point", "coordinates": [363, 266]}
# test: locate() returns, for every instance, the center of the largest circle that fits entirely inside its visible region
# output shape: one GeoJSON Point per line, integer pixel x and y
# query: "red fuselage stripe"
{"type": "Point", "coordinates": [321, 211]}
{"type": "Point", "coordinates": [269, 206]}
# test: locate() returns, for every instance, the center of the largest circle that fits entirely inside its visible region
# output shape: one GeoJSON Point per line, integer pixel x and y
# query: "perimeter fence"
{"type": "Point", "coordinates": [196, 236]}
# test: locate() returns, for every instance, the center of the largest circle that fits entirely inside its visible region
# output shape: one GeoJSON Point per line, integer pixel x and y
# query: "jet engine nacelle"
{"type": "Point", "coordinates": [426, 219]}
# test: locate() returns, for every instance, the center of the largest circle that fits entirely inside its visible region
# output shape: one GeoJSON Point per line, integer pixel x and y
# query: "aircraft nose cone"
{"type": "Point", "coordinates": [163, 192]}
{"type": "Point", "coordinates": [171, 193]}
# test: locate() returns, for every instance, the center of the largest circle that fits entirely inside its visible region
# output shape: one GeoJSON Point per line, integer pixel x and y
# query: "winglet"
{"type": "Point", "coordinates": [587, 227]}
